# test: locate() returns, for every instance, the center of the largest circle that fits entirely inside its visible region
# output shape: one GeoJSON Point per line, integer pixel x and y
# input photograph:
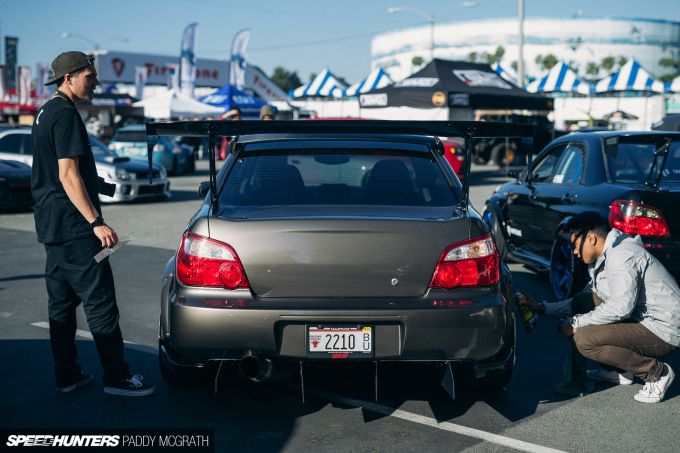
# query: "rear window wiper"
{"type": "Point", "coordinates": [660, 158]}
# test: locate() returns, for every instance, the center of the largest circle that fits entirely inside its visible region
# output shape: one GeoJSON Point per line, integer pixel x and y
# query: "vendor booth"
{"type": "Point", "coordinates": [229, 97]}
{"type": "Point", "coordinates": [449, 90]}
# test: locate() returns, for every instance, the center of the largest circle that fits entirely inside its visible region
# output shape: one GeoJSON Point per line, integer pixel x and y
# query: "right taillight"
{"type": "Point", "coordinates": [473, 262]}
{"type": "Point", "coordinates": [205, 262]}
{"type": "Point", "coordinates": [635, 218]}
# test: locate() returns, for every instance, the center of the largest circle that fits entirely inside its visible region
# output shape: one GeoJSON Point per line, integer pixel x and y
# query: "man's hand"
{"type": "Point", "coordinates": [535, 306]}
{"type": "Point", "coordinates": [567, 329]}
{"type": "Point", "coordinates": [107, 235]}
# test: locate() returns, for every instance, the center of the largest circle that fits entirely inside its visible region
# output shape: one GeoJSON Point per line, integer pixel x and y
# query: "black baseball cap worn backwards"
{"type": "Point", "coordinates": [68, 63]}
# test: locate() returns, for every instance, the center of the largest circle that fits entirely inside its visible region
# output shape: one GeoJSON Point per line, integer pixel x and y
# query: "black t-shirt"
{"type": "Point", "coordinates": [58, 132]}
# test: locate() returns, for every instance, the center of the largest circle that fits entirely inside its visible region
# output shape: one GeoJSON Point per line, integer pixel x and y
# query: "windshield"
{"type": "Point", "coordinates": [337, 177]}
{"type": "Point", "coordinates": [634, 161]}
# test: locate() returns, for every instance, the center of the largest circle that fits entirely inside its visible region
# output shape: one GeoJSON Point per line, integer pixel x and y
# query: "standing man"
{"type": "Point", "coordinates": [628, 316]}
{"type": "Point", "coordinates": [69, 223]}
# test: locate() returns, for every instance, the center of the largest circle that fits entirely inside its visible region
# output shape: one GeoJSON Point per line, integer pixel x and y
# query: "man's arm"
{"type": "Point", "coordinates": [75, 190]}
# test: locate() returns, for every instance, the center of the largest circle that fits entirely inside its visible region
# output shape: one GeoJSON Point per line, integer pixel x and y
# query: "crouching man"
{"type": "Point", "coordinates": [628, 316]}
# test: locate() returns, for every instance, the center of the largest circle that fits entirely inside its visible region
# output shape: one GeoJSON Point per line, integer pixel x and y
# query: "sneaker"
{"type": "Point", "coordinates": [82, 380]}
{"type": "Point", "coordinates": [653, 392]}
{"type": "Point", "coordinates": [131, 386]}
{"type": "Point", "coordinates": [612, 377]}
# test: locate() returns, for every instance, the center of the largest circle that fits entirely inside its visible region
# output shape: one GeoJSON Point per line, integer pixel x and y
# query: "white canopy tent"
{"type": "Point", "coordinates": [173, 104]}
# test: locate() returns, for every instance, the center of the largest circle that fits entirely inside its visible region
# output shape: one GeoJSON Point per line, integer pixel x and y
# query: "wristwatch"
{"type": "Point", "coordinates": [99, 221]}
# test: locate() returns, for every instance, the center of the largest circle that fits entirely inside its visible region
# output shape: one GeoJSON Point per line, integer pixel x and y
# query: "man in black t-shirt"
{"type": "Point", "coordinates": [69, 223]}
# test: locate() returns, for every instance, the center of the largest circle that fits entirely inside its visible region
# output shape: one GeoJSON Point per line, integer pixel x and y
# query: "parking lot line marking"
{"type": "Point", "coordinates": [428, 421]}
{"type": "Point", "coordinates": [79, 333]}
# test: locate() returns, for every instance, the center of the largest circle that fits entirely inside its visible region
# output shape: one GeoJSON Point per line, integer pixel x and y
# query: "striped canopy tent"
{"type": "Point", "coordinates": [507, 74]}
{"type": "Point", "coordinates": [376, 79]}
{"type": "Point", "coordinates": [325, 84]}
{"type": "Point", "coordinates": [631, 77]}
{"type": "Point", "coordinates": [673, 85]}
{"type": "Point", "coordinates": [560, 78]}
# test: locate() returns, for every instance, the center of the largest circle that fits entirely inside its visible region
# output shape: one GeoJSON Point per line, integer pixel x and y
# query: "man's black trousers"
{"type": "Point", "coordinates": [73, 276]}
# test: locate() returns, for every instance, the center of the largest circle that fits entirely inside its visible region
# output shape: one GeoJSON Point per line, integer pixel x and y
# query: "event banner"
{"type": "Point", "coordinates": [11, 44]}
{"type": "Point", "coordinates": [187, 62]}
{"type": "Point", "coordinates": [24, 85]}
{"type": "Point", "coordinates": [237, 68]}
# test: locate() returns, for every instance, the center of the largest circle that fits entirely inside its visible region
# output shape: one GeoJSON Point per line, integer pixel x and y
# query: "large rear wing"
{"type": "Point", "coordinates": [468, 130]}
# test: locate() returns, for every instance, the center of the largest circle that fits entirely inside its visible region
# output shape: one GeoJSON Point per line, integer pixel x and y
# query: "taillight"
{"type": "Point", "coordinates": [634, 218]}
{"type": "Point", "coordinates": [205, 262]}
{"type": "Point", "coordinates": [469, 263]}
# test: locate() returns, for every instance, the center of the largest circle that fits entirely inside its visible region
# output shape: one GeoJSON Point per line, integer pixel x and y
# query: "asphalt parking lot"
{"type": "Point", "coordinates": [339, 411]}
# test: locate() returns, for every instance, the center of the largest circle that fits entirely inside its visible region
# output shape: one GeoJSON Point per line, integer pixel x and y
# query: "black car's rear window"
{"type": "Point", "coordinates": [337, 177]}
{"type": "Point", "coordinates": [633, 163]}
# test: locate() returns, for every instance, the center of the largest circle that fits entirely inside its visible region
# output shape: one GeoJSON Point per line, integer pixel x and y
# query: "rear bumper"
{"type": "Point", "coordinates": [482, 332]}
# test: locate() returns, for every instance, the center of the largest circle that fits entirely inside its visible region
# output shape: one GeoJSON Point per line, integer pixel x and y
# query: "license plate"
{"type": "Point", "coordinates": [340, 341]}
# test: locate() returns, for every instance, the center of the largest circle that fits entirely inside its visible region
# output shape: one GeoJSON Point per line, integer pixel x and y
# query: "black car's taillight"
{"type": "Point", "coordinates": [635, 218]}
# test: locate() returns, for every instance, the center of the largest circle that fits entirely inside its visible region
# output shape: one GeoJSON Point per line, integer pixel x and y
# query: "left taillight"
{"type": "Point", "coordinates": [473, 262]}
{"type": "Point", "coordinates": [635, 218]}
{"type": "Point", "coordinates": [205, 262]}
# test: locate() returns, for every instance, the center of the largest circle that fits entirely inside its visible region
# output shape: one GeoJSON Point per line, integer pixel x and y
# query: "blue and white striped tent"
{"type": "Point", "coordinates": [631, 77]}
{"type": "Point", "coordinates": [325, 84]}
{"type": "Point", "coordinates": [507, 74]}
{"type": "Point", "coordinates": [560, 78]}
{"type": "Point", "coordinates": [673, 85]}
{"type": "Point", "coordinates": [376, 79]}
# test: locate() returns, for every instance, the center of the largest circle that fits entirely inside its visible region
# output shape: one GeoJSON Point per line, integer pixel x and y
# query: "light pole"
{"type": "Point", "coordinates": [95, 46]}
{"type": "Point", "coordinates": [431, 19]}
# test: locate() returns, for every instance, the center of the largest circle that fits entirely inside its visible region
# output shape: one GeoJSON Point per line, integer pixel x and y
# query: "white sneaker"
{"type": "Point", "coordinates": [612, 377]}
{"type": "Point", "coordinates": [653, 392]}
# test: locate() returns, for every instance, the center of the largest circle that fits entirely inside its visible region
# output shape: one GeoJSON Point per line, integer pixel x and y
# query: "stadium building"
{"type": "Point", "coordinates": [576, 40]}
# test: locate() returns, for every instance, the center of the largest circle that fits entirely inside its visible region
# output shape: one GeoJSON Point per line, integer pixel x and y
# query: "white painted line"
{"type": "Point", "coordinates": [428, 421]}
{"type": "Point", "coordinates": [79, 333]}
{"type": "Point", "coordinates": [408, 416]}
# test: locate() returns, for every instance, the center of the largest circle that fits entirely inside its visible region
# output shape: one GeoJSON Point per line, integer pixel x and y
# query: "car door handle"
{"type": "Point", "coordinates": [567, 199]}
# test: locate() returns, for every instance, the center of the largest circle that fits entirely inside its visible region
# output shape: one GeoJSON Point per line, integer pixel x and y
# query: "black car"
{"type": "Point", "coordinates": [343, 241]}
{"type": "Point", "coordinates": [633, 178]}
{"type": "Point", "coordinates": [15, 186]}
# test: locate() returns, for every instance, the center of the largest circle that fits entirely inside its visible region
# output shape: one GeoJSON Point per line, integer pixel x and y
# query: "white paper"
{"type": "Point", "coordinates": [121, 242]}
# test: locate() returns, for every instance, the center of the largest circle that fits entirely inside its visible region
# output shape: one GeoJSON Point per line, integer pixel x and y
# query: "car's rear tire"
{"type": "Point", "coordinates": [567, 275]}
{"type": "Point", "coordinates": [502, 155]}
{"type": "Point", "coordinates": [492, 220]}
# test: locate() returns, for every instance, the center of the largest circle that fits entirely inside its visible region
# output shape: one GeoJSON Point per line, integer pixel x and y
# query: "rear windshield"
{"type": "Point", "coordinates": [633, 163]}
{"type": "Point", "coordinates": [337, 177]}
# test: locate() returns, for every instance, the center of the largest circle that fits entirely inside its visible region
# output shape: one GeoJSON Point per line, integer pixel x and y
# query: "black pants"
{"type": "Point", "coordinates": [73, 276]}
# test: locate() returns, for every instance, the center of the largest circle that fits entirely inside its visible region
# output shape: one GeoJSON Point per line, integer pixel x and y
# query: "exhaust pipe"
{"type": "Point", "coordinates": [261, 369]}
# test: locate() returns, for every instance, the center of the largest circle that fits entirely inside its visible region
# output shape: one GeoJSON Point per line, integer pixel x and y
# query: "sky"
{"type": "Point", "coordinates": [303, 36]}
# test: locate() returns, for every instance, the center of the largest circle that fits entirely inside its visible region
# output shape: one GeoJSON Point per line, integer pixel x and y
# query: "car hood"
{"type": "Point", "coordinates": [339, 257]}
{"type": "Point", "coordinates": [12, 168]}
{"type": "Point", "coordinates": [127, 163]}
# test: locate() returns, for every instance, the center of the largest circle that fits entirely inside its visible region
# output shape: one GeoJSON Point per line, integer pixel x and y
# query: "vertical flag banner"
{"type": "Point", "coordinates": [237, 64]}
{"type": "Point", "coordinates": [40, 88]}
{"type": "Point", "coordinates": [24, 85]}
{"type": "Point", "coordinates": [187, 60]}
{"type": "Point", "coordinates": [4, 96]}
{"type": "Point", "coordinates": [11, 44]}
{"type": "Point", "coordinates": [141, 74]}
{"type": "Point", "coordinates": [173, 80]}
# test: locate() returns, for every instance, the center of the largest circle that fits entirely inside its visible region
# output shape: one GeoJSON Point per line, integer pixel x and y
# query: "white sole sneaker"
{"type": "Point", "coordinates": [654, 392]}
{"type": "Point", "coordinates": [84, 380]}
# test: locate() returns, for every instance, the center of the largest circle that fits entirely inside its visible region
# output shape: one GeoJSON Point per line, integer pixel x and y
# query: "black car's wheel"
{"type": "Point", "coordinates": [566, 273]}
{"type": "Point", "coordinates": [491, 219]}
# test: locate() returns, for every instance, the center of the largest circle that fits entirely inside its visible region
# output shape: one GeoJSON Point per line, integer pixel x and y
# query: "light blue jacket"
{"type": "Point", "coordinates": [633, 284]}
